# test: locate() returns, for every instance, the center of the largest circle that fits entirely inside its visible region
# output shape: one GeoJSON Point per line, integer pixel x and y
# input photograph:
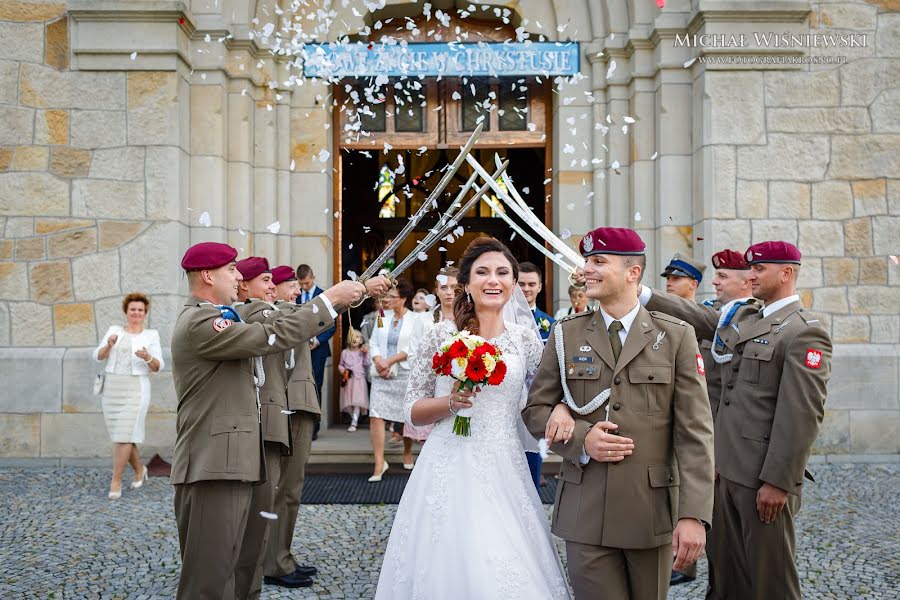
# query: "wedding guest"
{"type": "Point", "coordinates": [420, 302]}
{"type": "Point", "coordinates": [531, 281]}
{"type": "Point", "coordinates": [579, 301]}
{"type": "Point", "coordinates": [321, 348]}
{"type": "Point", "coordinates": [445, 291]}
{"type": "Point", "coordinates": [353, 365]}
{"type": "Point", "coordinates": [389, 348]}
{"type": "Point", "coordinates": [131, 354]}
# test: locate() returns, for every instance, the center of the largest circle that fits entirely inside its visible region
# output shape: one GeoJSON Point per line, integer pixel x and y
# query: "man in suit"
{"type": "Point", "coordinates": [531, 280]}
{"type": "Point", "coordinates": [321, 349]}
{"type": "Point", "coordinates": [636, 484]}
{"type": "Point", "coordinates": [775, 367]}
{"type": "Point", "coordinates": [280, 567]}
{"type": "Point", "coordinates": [683, 275]}
{"type": "Point", "coordinates": [218, 440]}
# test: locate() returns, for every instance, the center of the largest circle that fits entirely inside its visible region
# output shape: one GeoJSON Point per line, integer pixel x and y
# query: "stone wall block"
{"type": "Point", "coordinates": [30, 158]}
{"type": "Point", "coordinates": [44, 226]}
{"type": "Point", "coordinates": [18, 227]}
{"type": "Point", "coordinates": [887, 235]}
{"type": "Point", "coordinates": [752, 200]}
{"type": "Point", "coordinates": [152, 261]}
{"type": "Point", "coordinates": [45, 87]}
{"type": "Point", "coordinates": [51, 127]}
{"type": "Point", "coordinates": [13, 281]}
{"type": "Point", "coordinates": [116, 233]}
{"type": "Point", "coordinates": [72, 243]}
{"type": "Point", "coordinates": [885, 112]}
{"type": "Point", "coordinates": [847, 16]}
{"type": "Point", "coordinates": [878, 390]}
{"type": "Point", "coordinates": [4, 324]}
{"type": "Point", "coordinates": [32, 325]}
{"type": "Point", "coordinates": [153, 108]}
{"type": "Point", "coordinates": [873, 271]}
{"type": "Point", "coordinates": [16, 125]}
{"type": "Point", "coordinates": [74, 324]}
{"type": "Point", "coordinates": [887, 37]}
{"type": "Point", "coordinates": [893, 196]}
{"type": "Point", "coordinates": [56, 43]}
{"type": "Point", "coordinates": [78, 371]}
{"type": "Point", "coordinates": [108, 199]}
{"type": "Point", "coordinates": [875, 431]}
{"type": "Point", "coordinates": [108, 311]}
{"type": "Point", "coordinates": [865, 156]}
{"type": "Point", "coordinates": [308, 138]}
{"type": "Point", "coordinates": [818, 120]}
{"type": "Point", "coordinates": [811, 274]}
{"type": "Point", "coordinates": [31, 248]}
{"type": "Point", "coordinates": [830, 300]}
{"type": "Point", "coordinates": [771, 229]}
{"type": "Point", "coordinates": [208, 120]}
{"type": "Point", "coordinates": [70, 162]}
{"type": "Point", "coordinates": [793, 157]}
{"type": "Point", "coordinates": [7, 249]}
{"type": "Point", "coordinates": [167, 179]}
{"type": "Point", "coordinates": [789, 200]}
{"type": "Point", "coordinates": [849, 329]}
{"type": "Point", "coordinates": [832, 200]}
{"type": "Point", "coordinates": [21, 437]}
{"type": "Point", "coordinates": [793, 88]}
{"type": "Point", "coordinates": [159, 433]}
{"type": "Point", "coordinates": [865, 79]}
{"type": "Point", "coordinates": [6, 155]}
{"type": "Point", "coordinates": [125, 164]}
{"type": "Point", "coordinates": [821, 238]}
{"type": "Point", "coordinates": [96, 276]}
{"type": "Point", "coordinates": [71, 435]}
{"type": "Point", "coordinates": [874, 300]}
{"type": "Point", "coordinates": [840, 271]}
{"type": "Point", "coordinates": [22, 41]}
{"type": "Point", "coordinates": [858, 237]}
{"type": "Point", "coordinates": [51, 282]}
{"type": "Point", "coordinates": [9, 81]}
{"type": "Point", "coordinates": [98, 128]}
{"type": "Point", "coordinates": [885, 329]}
{"type": "Point", "coordinates": [735, 107]}
{"type": "Point", "coordinates": [870, 197]}
{"type": "Point", "coordinates": [834, 433]}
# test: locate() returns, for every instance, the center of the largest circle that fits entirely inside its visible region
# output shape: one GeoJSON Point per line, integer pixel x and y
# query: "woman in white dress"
{"type": "Point", "coordinates": [470, 523]}
{"type": "Point", "coordinates": [131, 354]}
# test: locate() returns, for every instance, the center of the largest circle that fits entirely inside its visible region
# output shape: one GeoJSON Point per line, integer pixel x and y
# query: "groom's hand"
{"type": "Point", "coordinates": [603, 446]}
{"type": "Point", "coordinates": [688, 541]}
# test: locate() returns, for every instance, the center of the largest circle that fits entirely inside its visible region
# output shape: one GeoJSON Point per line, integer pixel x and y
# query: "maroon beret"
{"type": "Point", "coordinates": [729, 259]}
{"type": "Point", "coordinates": [252, 267]}
{"type": "Point", "coordinates": [611, 240]}
{"type": "Point", "coordinates": [283, 273]}
{"type": "Point", "coordinates": [208, 255]}
{"type": "Point", "coordinates": [772, 252]}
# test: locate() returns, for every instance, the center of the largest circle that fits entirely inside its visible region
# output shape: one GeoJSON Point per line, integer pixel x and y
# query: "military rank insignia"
{"type": "Point", "coordinates": [813, 358]}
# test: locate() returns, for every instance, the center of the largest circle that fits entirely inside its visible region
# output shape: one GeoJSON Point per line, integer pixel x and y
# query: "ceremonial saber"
{"type": "Point", "coordinates": [521, 208]}
{"type": "Point", "coordinates": [442, 231]}
{"type": "Point", "coordinates": [432, 197]}
{"type": "Point", "coordinates": [559, 261]}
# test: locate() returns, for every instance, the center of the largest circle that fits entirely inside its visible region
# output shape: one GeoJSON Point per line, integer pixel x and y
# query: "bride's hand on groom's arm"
{"type": "Point", "coordinates": [560, 425]}
{"type": "Point", "coordinates": [688, 541]}
{"type": "Point", "coordinates": [603, 446]}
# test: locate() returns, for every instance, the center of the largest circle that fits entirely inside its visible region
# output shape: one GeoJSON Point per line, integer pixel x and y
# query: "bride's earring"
{"type": "Point", "coordinates": [469, 296]}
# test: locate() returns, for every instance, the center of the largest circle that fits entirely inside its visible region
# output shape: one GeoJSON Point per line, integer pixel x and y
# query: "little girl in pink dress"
{"type": "Point", "coordinates": [353, 366]}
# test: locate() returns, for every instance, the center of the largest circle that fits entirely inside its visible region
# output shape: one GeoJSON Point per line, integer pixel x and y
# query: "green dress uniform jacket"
{"type": "Point", "coordinates": [301, 383]}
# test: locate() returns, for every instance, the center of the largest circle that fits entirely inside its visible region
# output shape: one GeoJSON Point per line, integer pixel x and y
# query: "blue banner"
{"type": "Point", "coordinates": [334, 61]}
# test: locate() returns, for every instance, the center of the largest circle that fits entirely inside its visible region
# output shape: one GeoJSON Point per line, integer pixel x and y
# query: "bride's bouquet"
{"type": "Point", "coordinates": [473, 362]}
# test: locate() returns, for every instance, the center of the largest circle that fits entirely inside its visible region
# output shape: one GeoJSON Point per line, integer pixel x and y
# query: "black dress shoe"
{"type": "Point", "coordinates": [679, 578]}
{"type": "Point", "coordinates": [304, 571]}
{"type": "Point", "coordinates": [289, 581]}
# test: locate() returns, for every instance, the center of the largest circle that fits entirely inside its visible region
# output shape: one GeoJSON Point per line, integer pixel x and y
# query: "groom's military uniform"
{"type": "Point", "coordinates": [618, 518]}
{"type": "Point", "coordinates": [771, 407]}
{"type": "Point", "coordinates": [218, 443]}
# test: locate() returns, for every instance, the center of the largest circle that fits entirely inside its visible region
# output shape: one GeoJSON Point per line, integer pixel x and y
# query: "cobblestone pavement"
{"type": "Point", "coordinates": [61, 538]}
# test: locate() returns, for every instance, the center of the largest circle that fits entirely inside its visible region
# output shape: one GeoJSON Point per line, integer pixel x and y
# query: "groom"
{"type": "Point", "coordinates": [636, 484]}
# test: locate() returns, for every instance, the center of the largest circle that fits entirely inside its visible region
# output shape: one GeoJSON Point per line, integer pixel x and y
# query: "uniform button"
{"type": "Point", "coordinates": [799, 483]}
{"type": "Point", "coordinates": [617, 406]}
{"type": "Point", "coordinates": [234, 426]}
{"type": "Point", "coordinates": [756, 354]}
{"type": "Point", "coordinates": [617, 380]}
{"type": "Point", "coordinates": [671, 479]}
{"type": "Point", "coordinates": [766, 437]}
{"type": "Point", "coordinates": [321, 323]}
{"type": "Point", "coordinates": [581, 372]}
{"type": "Point", "coordinates": [727, 402]}
{"type": "Point", "coordinates": [650, 378]}
{"type": "Point", "coordinates": [730, 386]}
{"type": "Point", "coordinates": [735, 368]}
{"type": "Point", "coordinates": [740, 350]}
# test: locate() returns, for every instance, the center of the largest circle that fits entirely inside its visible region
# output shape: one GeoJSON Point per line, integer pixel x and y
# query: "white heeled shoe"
{"type": "Point", "coordinates": [376, 478]}
{"type": "Point", "coordinates": [115, 495]}
{"type": "Point", "coordinates": [409, 466]}
{"type": "Point", "coordinates": [137, 484]}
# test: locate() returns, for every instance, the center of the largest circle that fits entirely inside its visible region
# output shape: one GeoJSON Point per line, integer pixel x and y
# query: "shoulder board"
{"type": "Point", "coordinates": [667, 318]}
{"type": "Point", "coordinates": [809, 318]}
{"type": "Point", "coordinates": [574, 316]}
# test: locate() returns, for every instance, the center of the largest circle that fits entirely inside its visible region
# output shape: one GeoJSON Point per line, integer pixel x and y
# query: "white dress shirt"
{"type": "Point", "coordinates": [768, 309]}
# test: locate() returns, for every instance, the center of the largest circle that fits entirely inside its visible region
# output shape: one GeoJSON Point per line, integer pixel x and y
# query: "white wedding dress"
{"type": "Point", "coordinates": [470, 524]}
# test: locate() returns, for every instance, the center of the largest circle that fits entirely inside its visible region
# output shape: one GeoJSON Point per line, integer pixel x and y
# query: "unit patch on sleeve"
{"type": "Point", "coordinates": [813, 358]}
{"type": "Point", "coordinates": [701, 368]}
{"type": "Point", "coordinates": [221, 323]}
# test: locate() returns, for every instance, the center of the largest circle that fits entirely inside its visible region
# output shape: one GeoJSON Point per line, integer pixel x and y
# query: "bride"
{"type": "Point", "coordinates": [470, 523]}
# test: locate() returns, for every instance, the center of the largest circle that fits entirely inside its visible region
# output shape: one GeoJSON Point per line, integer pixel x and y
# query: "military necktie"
{"type": "Point", "coordinates": [614, 328]}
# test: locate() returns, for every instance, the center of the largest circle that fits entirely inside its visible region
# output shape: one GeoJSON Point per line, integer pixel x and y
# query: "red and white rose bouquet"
{"type": "Point", "coordinates": [473, 362]}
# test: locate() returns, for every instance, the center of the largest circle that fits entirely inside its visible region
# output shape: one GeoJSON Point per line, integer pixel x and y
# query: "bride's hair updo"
{"type": "Point", "coordinates": [463, 310]}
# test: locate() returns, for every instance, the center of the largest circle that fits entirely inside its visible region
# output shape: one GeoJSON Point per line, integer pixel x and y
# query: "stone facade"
{"type": "Point", "coordinates": [122, 122]}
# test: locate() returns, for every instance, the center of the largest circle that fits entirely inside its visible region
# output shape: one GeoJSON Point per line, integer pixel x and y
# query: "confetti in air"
{"type": "Point", "coordinates": [268, 515]}
{"type": "Point", "coordinates": [565, 234]}
{"type": "Point", "coordinates": [894, 259]}
{"type": "Point", "coordinates": [287, 412]}
{"type": "Point", "coordinates": [274, 227]}
{"type": "Point", "coordinates": [690, 62]}
{"type": "Point", "coordinates": [430, 300]}
{"type": "Point", "coordinates": [272, 339]}
{"type": "Point", "coordinates": [442, 279]}
{"type": "Point", "coordinates": [543, 448]}
{"type": "Point", "coordinates": [637, 216]}
{"type": "Point", "coordinates": [205, 219]}
{"type": "Point", "coordinates": [133, 55]}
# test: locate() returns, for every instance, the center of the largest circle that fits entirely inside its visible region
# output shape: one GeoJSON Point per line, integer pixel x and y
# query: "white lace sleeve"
{"type": "Point", "coordinates": [532, 350]}
{"type": "Point", "coordinates": [422, 378]}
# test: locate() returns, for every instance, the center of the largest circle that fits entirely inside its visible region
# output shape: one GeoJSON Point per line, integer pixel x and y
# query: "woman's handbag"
{"type": "Point", "coordinates": [98, 383]}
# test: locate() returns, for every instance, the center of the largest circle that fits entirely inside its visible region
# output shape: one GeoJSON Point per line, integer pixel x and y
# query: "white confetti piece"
{"type": "Point", "coordinates": [543, 448]}
{"type": "Point", "coordinates": [315, 308]}
{"type": "Point", "coordinates": [387, 147]}
{"type": "Point", "coordinates": [352, 275]}
{"type": "Point", "coordinates": [611, 69]}
{"type": "Point", "coordinates": [293, 164]}
{"type": "Point", "coordinates": [268, 515]}
{"type": "Point", "coordinates": [336, 214]}
{"type": "Point", "coordinates": [565, 234]}
{"type": "Point", "coordinates": [442, 279]}
{"type": "Point", "coordinates": [241, 231]}
{"type": "Point", "coordinates": [569, 149]}
{"type": "Point", "coordinates": [526, 190]}
{"type": "Point", "coordinates": [287, 412]}
{"type": "Point", "coordinates": [133, 55]}
{"type": "Point", "coordinates": [430, 300]}
{"type": "Point", "coordinates": [323, 155]}
{"type": "Point", "coordinates": [422, 256]}
{"type": "Point", "coordinates": [637, 216]}
{"type": "Point", "coordinates": [274, 227]}
{"type": "Point", "coordinates": [268, 28]}
{"type": "Point", "coordinates": [272, 339]}
{"type": "Point", "coordinates": [459, 231]}
{"type": "Point", "coordinates": [655, 154]}
{"type": "Point", "coordinates": [628, 119]}
{"type": "Point", "coordinates": [625, 129]}
{"type": "Point", "coordinates": [207, 38]}
{"type": "Point", "coordinates": [615, 164]}
{"type": "Point", "coordinates": [690, 62]}
{"type": "Point", "coordinates": [895, 260]}
{"type": "Point", "coordinates": [205, 219]}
